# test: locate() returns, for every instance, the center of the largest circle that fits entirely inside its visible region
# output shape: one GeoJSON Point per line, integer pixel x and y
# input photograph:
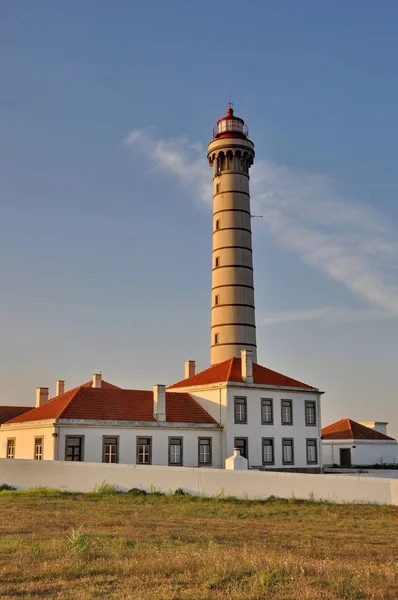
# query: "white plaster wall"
{"type": "Point", "coordinates": [363, 452]}
{"type": "Point", "coordinates": [255, 431]}
{"type": "Point", "coordinates": [93, 435]}
{"type": "Point", "coordinates": [361, 472]}
{"type": "Point", "coordinates": [209, 482]}
{"type": "Point", "coordinates": [25, 440]}
{"type": "Point", "coordinates": [213, 400]}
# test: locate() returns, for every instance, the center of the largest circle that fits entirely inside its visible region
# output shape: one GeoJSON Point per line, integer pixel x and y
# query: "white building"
{"type": "Point", "coordinates": [272, 419]}
{"type": "Point", "coordinates": [347, 443]}
{"type": "Point", "coordinates": [99, 422]}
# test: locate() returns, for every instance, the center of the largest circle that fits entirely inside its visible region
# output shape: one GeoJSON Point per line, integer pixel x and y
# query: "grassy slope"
{"type": "Point", "coordinates": [184, 548]}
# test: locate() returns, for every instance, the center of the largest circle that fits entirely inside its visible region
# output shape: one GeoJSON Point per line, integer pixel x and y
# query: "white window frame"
{"type": "Point", "coordinates": [267, 403]}
{"type": "Point", "coordinates": [144, 450]}
{"type": "Point", "coordinates": [175, 457]}
{"type": "Point", "coordinates": [39, 446]}
{"type": "Point", "coordinates": [310, 406]}
{"type": "Point", "coordinates": [240, 410]}
{"type": "Point", "coordinates": [204, 451]}
{"type": "Point", "coordinates": [11, 443]}
{"type": "Point", "coordinates": [268, 443]}
{"type": "Point", "coordinates": [286, 410]}
{"type": "Point", "coordinates": [110, 449]}
{"type": "Point", "coordinates": [288, 443]}
{"type": "Point", "coordinates": [312, 444]}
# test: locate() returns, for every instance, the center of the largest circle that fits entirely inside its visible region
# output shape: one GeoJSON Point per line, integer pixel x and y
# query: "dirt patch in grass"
{"type": "Point", "coordinates": [108, 545]}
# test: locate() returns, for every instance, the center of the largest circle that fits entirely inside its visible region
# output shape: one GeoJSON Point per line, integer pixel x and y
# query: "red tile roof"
{"type": "Point", "coordinates": [104, 385]}
{"type": "Point", "coordinates": [10, 412]}
{"type": "Point", "coordinates": [230, 371]}
{"type": "Point", "coordinates": [346, 429]}
{"type": "Point", "coordinates": [116, 404]}
{"type": "Point", "coordinates": [12, 415]}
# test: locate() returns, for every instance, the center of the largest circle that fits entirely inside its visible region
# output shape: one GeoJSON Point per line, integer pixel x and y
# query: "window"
{"type": "Point", "coordinates": [38, 448]}
{"type": "Point", "coordinates": [240, 410]}
{"type": "Point", "coordinates": [144, 451]}
{"type": "Point", "coordinates": [267, 411]}
{"type": "Point", "coordinates": [216, 338]}
{"type": "Point", "coordinates": [287, 451]}
{"type": "Point", "coordinates": [217, 300]}
{"type": "Point", "coordinates": [287, 412]}
{"type": "Point", "coordinates": [175, 451]}
{"type": "Point", "coordinates": [11, 448]}
{"type": "Point", "coordinates": [74, 447]}
{"type": "Point", "coordinates": [310, 413]}
{"type": "Point", "coordinates": [242, 446]}
{"type": "Point", "coordinates": [204, 457]}
{"type": "Point", "coordinates": [217, 261]}
{"type": "Point", "coordinates": [218, 224]}
{"type": "Point", "coordinates": [217, 188]}
{"type": "Point", "coordinates": [312, 451]}
{"type": "Point", "coordinates": [268, 451]}
{"type": "Point", "coordinates": [110, 450]}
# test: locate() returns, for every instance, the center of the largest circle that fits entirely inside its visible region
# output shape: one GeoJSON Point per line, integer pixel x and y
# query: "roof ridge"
{"type": "Point", "coordinates": [231, 362]}
{"type": "Point", "coordinates": [75, 392]}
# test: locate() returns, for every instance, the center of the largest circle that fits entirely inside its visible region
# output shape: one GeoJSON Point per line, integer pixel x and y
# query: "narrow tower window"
{"type": "Point", "coordinates": [217, 261]}
{"type": "Point", "coordinates": [217, 300]}
{"type": "Point", "coordinates": [218, 224]}
{"type": "Point", "coordinates": [216, 338]}
{"type": "Point", "coordinates": [217, 188]}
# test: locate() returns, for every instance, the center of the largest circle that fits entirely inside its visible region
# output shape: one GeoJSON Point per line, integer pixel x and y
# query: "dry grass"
{"type": "Point", "coordinates": [74, 546]}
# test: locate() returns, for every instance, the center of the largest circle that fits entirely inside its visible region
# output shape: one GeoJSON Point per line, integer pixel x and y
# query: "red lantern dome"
{"type": "Point", "coordinates": [230, 126]}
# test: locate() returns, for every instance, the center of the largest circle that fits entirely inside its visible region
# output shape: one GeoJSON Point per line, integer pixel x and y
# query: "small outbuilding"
{"type": "Point", "coordinates": [347, 443]}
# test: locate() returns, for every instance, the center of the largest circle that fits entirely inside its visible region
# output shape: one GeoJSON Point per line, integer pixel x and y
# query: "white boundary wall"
{"type": "Point", "coordinates": [83, 477]}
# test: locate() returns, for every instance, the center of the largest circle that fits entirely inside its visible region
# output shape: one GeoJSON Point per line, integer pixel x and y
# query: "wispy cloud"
{"type": "Point", "coordinates": [332, 314]}
{"type": "Point", "coordinates": [306, 214]}
{"type": "Point", "coordinates": [178, 157]}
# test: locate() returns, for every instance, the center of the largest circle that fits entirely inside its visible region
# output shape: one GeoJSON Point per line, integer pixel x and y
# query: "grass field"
{"type": "Point", "coordinates": [107, 545]}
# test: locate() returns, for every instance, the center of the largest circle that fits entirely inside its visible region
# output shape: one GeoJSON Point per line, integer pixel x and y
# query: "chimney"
{"type": "Point", "coordinates": [97, 377]}
{"type": "Point", "coordinates": [380, 426]}
{"type": "Point", "coordinates": [189, 367]}
{"type": "Point", "coordinates": [247, 365]}
{"type": "Point", "coordinates": [41, 396]}
{"type": "Point", "coordinates": [159, 402]}
{"type": "Point", "coordinates": [59, 387]}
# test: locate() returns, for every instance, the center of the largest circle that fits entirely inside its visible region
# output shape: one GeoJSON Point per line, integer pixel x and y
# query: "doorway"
{"type": "Point", "coordinates": [241, 445]}
{"type": "Point", "coordinates": [345, 457]}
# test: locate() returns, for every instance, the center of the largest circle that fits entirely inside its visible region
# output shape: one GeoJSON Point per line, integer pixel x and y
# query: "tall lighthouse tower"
{"type": "Point", "coordinates": [233, 326]}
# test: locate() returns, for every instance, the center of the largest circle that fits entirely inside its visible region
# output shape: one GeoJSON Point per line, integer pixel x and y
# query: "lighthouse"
{"type": "Point", "coordinates": [233, 324]}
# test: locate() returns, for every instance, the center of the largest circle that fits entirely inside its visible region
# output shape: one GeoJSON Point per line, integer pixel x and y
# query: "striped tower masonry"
{"type": "Point", "coordinates": [233, 325]}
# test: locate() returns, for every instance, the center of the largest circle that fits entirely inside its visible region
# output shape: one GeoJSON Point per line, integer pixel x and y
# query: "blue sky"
{"type": "Point", "coordinates": [105, 230]}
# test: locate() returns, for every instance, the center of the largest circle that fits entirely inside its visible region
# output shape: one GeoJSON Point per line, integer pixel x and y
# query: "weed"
{"type": "Point", "coordinates": [105, 489]}
{"type": "Point", "coordinates": [79, 541]}
{"type": "Point", "coordinates": [155, 491]}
